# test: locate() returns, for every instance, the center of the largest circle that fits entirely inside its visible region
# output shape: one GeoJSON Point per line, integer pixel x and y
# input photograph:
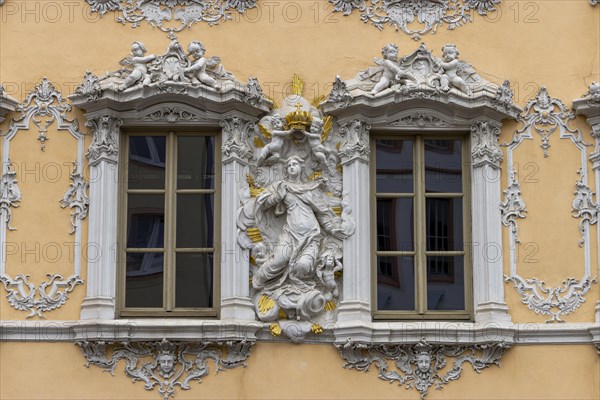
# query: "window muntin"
{"type": "Point", "coordinates": [169, 222]}
{"type": "Point", "coordinates": [420, 211]}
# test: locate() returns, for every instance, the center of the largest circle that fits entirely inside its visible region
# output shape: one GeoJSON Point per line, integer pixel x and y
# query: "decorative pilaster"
{"type": "Point", "coordinates": [235, 268]}
{"type": "Point", "coordinates": [103, 156]}
{"type": "Point", "coordinates": [354, 152]}
{"type": "Point", "coordinates": [488, 286]}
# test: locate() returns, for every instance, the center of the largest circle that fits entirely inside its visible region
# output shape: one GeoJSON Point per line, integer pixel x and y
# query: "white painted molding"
{"type": "Point", "coordinates": [7, 103]}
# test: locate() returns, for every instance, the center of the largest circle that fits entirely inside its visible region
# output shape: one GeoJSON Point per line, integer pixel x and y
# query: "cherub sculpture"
{"type": "Point", "coordinates": [140, 69]}
{"type": "Point", "coordinates": [272, 151]}
{"type": "Point", "coordinates": [451, 66]}
{"type": "Point", "coordinates": [200, 63]}
{"type": "Point", "coordinates": [326, 272]}
{"type": "Point", "coordinates": [314, 141]}
{"type": "Point", "coordinates": [390, 67]}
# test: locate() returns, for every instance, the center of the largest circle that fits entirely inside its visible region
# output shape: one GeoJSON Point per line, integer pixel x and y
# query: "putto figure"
{"type": "Point", "coordinates": [314, 141]}
{"type": "Point", "coordinates": [451, 66]}
{"type": "Point", "coordinates": [390, 67]}
{"type": "Point", "coordinates": [272, 151]}
{"type": "Point", "coordinates": [198, 68]}
{"type": "Point", "coordinates": [139, 61]}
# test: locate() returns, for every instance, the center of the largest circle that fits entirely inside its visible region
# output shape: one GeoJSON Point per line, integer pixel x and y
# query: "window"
{"type": "Point", "coordinates": [168, 226]}
{"type": "Point", "coordinates": [421, 210]}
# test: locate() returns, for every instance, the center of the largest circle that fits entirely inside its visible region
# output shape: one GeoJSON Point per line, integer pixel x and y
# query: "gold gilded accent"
{"type": "Point", "coordinates": [338, 274]}
{"type": "Point", "coordinates": [297, 85]}
{"type": "Point", "coordinates": [317, 100]}
{"type": "Point", "coordinates": [264, 131]}
{"type": "Point", "coordinates": [298, 119]}
{"type": "Point", "coordinates": [252, 261]}
{"type": "Point", "coordinates": [254, 191]}
{"type": "Point", "coordinates": [258, 142]}
{"type": "Point", "coordinates": [337, 211]}
{"type": "Point", "coordinates": [328, 194]}
{"type": "Point", "coordinates": [275, 329]}
{"type": "Point", "coordinates": [315, 175]}
{"type": "Point", "coordinates": [282, 314]}
{"type": "Point", "coordinates": [327, 126]}
{"type": "Point", "coordinates": [254, 235]}
{"type": "Point", "coordinates": [338, 145]}
{"type": "Point", "coordinates": [339, 168]}
{"type": "Point", "coordinates": [265, 304]}
{"type": "Point", "coordinates": [330, 305]}
{"type": "Point", "coordinates": [316, 329]}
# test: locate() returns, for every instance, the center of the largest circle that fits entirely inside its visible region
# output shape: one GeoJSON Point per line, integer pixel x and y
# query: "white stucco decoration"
{"type": "Point", "coordinates": [288, 218]}
{"type": "Point", "coordinates": [44, 106]}
{"type": "Point", "coordinates": [545, 115]}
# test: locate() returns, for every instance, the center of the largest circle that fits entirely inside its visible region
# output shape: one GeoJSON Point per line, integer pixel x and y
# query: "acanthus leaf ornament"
{"type": "Point", "coordinates": [420, 366]}
{"type": "Point", "coordinates": [407, 15]}
{"type": "Point", "coordinates": [356, 140]}
{"type": "Point", "coordinates": [513, 206]}
{"type": "Point", "coordinates": [172, 114]}
{"type": "Point", "coordinates": [504, 96]}
{"type": "Point", "coordinates": [10, 194]}
{"type": "Point", "coordinates": [166, 365]}
{"type": "Point", "coordinates": [235, 134]}
{"type": "Point", "coordinates": [177, 14]}
{"type": "Point", "coordinates": [24, 296]}
{"type": "Point", "coordinates": [339, 95]}
{"type": "Point", "coordinates": [46, 102]}
{"type": "Point", "coordinates": [76, 198]}
{"type": "Point", "coordinates": [105, 140]}
{"type": "Point", "coordinates": [89, 88]}
{"type": "Point", "coordinates": [584, 206]}
{"type": "Point", "coordinates": [254, 93]}
{"type": "Point", "coordinates": [485, 148]}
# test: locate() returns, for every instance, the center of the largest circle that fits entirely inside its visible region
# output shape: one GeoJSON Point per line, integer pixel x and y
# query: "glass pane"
{"type": "Point", "coordinates": [395, 224]}
{"type": "Point", "coordinates": [395, 283]}
{"type": "Point", "coordinates": [195, 220]}
{"type": "Point", "coordinates": [444, 224]}
{"type": "Point", "coordinates": [445, 283]}
{"type": "Point", "coordinates": [146, 168]}
{"type": "Point", "coordinates": [145, 220]}
{"type": "Point", "coordinates": [144, 280]}
{"type": "Point", "coordinates": [194, 280]}
{"type": "Point", "coordinates": [394, 166]}
{"type": "Point", "coordinates": [195, 162]}
{"type": "Point", "coordinates": [443, 166]}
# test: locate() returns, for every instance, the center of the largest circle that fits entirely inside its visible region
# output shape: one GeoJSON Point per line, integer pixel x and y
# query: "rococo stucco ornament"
{"type": "Point", "coordinates": [171, 15]}
{"type": "Point", "coordinates": [420, 366]}
{"type": "Point", "coordinates": [403, 15]}
{"type": "Point", "coordinates": [422, 75]}
{"type": "Point", "coordinates": [10, 194]}
{"type": "Point", "coordinates": [546, 115]}
{"type": "Point", "coordinates": [44, 106]}
{"type": "Point", "coordinates": [293, 218]}
{"type": "Point", "coordinates": [166, 365]}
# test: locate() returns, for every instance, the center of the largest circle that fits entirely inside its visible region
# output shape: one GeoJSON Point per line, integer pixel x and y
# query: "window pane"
{"type": "Point", "coordinates": [145, 220]}
{"type": "Point", "coordinates": [394, 166]}
{"type": "Point", "coordinates": [395, 224]}
{"type": "Point", "coordinates": [445, 283]}
{"type": "Point", "coordinates": [443, 166]}
{"type": "Point", "coordinates": [395, 283]}
{"type": "Point", "coordinates": [194, 280]}
{"type": "Point", "coordinates": [195, 222]}
{"type": "Point", "coordinates": [146, 168]}
{"type": "Point", "coordinates": [195, 162]}
{"type": "Point", "coordinates": [444, 224]}
{"type": "Point", "coordinates": [144, 282]}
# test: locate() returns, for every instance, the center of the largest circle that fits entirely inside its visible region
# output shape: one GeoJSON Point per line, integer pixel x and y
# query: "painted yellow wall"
{"type": "Point", "coordinates": [287, 371]}
{"type": "Point", "coordinates": [560, 51]}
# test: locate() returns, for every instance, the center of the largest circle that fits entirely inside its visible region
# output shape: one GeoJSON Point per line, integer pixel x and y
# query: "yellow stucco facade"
{"type": "Point", "coordinates": [555, 44]}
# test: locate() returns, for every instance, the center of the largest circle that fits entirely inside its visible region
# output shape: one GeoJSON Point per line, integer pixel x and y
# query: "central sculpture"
{"type": "Point", "coordinates": [293, 219]}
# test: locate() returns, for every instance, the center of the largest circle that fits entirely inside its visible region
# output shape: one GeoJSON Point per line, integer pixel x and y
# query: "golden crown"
{"type": "Point", "coordinates": [298, 119]}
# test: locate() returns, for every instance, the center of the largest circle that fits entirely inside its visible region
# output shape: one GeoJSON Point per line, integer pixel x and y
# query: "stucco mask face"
{"type": "Point", "coordinates": [423, 363]}
{"type": "Point", "coordinates": [166, 363]}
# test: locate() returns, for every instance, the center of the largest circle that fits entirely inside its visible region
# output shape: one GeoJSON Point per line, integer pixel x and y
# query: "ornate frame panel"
{"type": "Point", "coordinates": [46, 104]}
{"type": "Point", "coordinates": [544, 115]}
